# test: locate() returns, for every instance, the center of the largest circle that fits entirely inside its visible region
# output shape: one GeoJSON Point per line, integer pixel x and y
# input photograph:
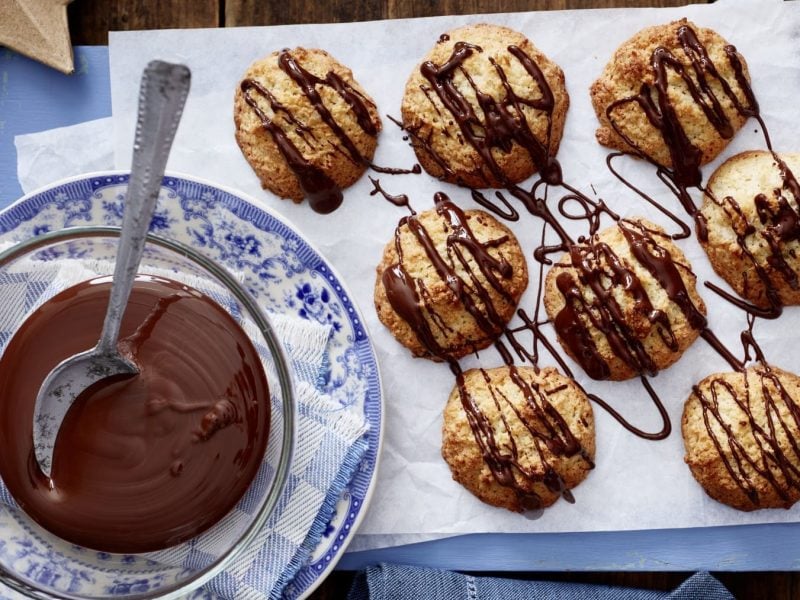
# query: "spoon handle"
{"type": "Point", "coordinates": [162, 95]}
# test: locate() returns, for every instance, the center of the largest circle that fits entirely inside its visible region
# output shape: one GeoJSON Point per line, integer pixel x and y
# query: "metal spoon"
{"type": "Point", "coordinates": [162, 95]}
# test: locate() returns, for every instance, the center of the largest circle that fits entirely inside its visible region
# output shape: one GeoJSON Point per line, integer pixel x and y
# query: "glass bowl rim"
{"type": "Point", "coordinates": [288, 396]}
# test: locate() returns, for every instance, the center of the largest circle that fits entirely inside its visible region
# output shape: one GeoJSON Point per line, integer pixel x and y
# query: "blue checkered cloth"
{"type": "Point", "coordinates": [398, 582]}
{"type": "Point", "coordinates": [330, 444]}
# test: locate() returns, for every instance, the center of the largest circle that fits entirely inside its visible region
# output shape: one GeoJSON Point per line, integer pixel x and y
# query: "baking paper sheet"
{"type": "Point", "coordinates": [637, 484]}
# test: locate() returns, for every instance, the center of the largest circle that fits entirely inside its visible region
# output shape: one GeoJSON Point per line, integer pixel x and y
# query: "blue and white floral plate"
{"type": "Point", "coordinates": [282, 270]}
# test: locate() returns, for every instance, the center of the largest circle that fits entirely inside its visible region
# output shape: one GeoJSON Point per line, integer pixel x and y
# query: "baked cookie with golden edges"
{"type": "Point", "coordinates": [749, 226]}
{"type": "Point", "coordinates": [675, 93]}
{"type": "Point", "coordinates": [624, 303]}
{"type": "Point", "coordinates": [517, 437]}
{"type": "Point", "coordinates": [741, 431]}
{"type": "Point", "coordinates": [449, 281]}
{"type": "Point", "coordinates": [486, 108]}
{"type": "Point", "coordinates": [305, 125]}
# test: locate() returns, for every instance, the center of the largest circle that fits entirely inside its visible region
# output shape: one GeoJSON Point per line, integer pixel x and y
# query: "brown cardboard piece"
{"type": "Point", "coordinates": [38, 29]}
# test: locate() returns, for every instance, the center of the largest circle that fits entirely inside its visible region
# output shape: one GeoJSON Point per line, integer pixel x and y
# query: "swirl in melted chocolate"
{"type": "Point", "coordinates": [145, 462]}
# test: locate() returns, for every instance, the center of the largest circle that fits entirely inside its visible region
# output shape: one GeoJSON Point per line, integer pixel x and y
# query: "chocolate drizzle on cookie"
{"type": "Point", "coordinates": [768, 425]}
{"type": "Point", "coordinates": [407, 296]}
{"type": "Point", "coordinates": [598, 268]}
{"type": "Point", "coordinates": [324, 194]}
{"type": "Point", "coordinates": [780, 221]}
{"type": "Point", "coordinates": [547, 427]}
{"type": "Point", "coordinates": [503, 123]}
{"type": "Point", "coordinates": [655, 101]}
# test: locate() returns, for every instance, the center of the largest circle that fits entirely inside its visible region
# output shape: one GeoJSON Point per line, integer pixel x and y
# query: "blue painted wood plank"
{"type": "Point", "coordinates": [34, 97]}
{"type": "Point", "coordinates": [773, 547]}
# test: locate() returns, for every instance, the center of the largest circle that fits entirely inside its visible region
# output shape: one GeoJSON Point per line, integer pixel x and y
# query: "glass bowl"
{"type": "Point", "coordinates": [38, 564]}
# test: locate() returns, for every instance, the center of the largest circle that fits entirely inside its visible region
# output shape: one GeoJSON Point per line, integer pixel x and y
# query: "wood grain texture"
{"type": "Point", "coordinates": [258, 12]}
{"type": "Point", "coordinates": [91, 20]}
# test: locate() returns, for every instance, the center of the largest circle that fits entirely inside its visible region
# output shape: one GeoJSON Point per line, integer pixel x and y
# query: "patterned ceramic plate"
{"type": "Point", "coordinates": [280, 268]}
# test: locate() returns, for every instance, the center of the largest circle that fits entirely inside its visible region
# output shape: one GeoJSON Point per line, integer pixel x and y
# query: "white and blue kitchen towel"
{"type": "Point", "coordinates": [330, 444]}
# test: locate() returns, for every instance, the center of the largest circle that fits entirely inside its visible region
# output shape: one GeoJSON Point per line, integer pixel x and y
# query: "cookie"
{"type": "Point", "coordinates": [306, 127]}
{"type": "Point", "coordinates": [741, 432]}
{"type": "Point", "coordinates": [749, 226]}
{"type": "Point", "coordinates": [518, 438]}
{"type": "Point", "coordinates": [449, 281]}
{"type": "Point", "coordinates": [485, 108]}
{"type": "Point", "coordinates": [650, 99]}
{"type": "Point", "coordinates": [624, 303]}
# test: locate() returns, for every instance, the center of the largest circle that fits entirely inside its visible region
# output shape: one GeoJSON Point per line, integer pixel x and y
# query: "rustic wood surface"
{"type": "Point", "coordinates": [90, 22]}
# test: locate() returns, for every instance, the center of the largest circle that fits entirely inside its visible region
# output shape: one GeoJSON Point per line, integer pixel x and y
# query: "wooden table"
{"type": "Point", "coordinates": [90, 22]}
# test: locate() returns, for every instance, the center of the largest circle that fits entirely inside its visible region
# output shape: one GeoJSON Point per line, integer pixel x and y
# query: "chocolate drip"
{"type": "Point", "coordinates": [504, 121]}
{"type": "Point", "coordinates": [323, 193]}
{"type": "Point", "coordinates": [604, 272]}
{"type": "Point", "coordinates": [666, 425]}
{"type": "Point", "coordinates": [535, 328]}
{"type": "Point", "coordinates": [655, 103]}
{"type": "Point", "coordinates": [509, 213]}
{"type": "Point", "coordinates": [685, 231]}
{"type": "Point", "coordinates": [771, 458]}
{"type": "Point", "coordinates": [398, 200]}
{"type": "Point", "coordinates": [781, 224]}
{"type": "Point", "coordinates": [547, 427]}
{"type": "Point", "coordinates": [415, 170]}
{"type": "Point", "coordinates": [401, 288]}
{"type": "Point", "coordinates": [661, 266]}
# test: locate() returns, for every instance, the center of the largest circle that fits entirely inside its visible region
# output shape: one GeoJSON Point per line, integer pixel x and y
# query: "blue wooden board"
{"type": "Point", "coordinates": [34, 97]}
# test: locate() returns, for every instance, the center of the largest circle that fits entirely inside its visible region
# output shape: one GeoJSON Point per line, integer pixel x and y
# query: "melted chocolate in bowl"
{"type": "Point", "coordinates": [144, 462]}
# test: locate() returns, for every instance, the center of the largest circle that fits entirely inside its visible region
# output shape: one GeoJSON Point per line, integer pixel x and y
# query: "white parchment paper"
{"type": "Point", "coordinates": [637, 484]}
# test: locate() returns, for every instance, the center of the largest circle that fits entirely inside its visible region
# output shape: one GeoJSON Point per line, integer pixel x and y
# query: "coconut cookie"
{"type": "Point", "coordinates": [624, 303]}
{"type": "Point", "coordinates": [741, 431]}
{"type": "Point", "coordinates": [749, 226]}
{"type": "Point", "coordinates": [305, 125]}
{"type": "Point", "coordinates": [485, 108]}
{"type": "Point", "coordinates": [675, 94]}
{"type": "Point", "coordinates": [449, 281]}
{"type": "Point", "coordinates": [518, 438]}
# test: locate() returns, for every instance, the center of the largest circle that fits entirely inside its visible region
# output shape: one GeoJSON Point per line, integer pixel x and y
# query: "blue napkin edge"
{"type": "Point", "coordinates": [375, 583]}
{"type": "Point", "coordinates": [350, 465]}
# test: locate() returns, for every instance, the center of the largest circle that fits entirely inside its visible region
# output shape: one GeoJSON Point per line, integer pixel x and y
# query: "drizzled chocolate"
{"type": "Point", "coordinates": [501, 123]}
{"type": "Point", "coordinates": [768, 453]}
{"type": "Point", "coordinates": [780, 224]}
{"type": "Point", "coordinates": [658, 106]}
{"type": "Point", "coordinates": [596, 266]}
{"type": "Point", "coordinates": [323, 193]}
{"type": "Point", "coordinates": [408, 297]}
{"type": "Point", "coordinates": [547, 427]}
{"type": "Point", "coordinates": [143, 462]}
